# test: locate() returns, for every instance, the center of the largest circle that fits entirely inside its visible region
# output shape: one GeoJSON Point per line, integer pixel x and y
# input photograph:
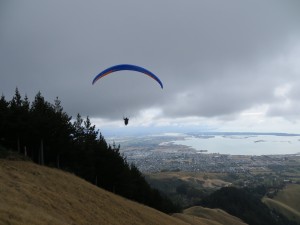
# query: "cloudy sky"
{"type": "Point", "coordinates": [226, 65]}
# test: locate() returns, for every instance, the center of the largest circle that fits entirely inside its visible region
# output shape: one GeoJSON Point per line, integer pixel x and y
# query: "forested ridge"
{"type": "Point", "coordinates": [47, 135]}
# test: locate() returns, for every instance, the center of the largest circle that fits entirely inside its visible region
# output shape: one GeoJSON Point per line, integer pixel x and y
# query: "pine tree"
{"type": "Point", "coordinates": [3, 119]}
{"type": "Point", "coordinates": [50, 138]}
{"type": "Point", "coordinates": [61, 132]}
{"type": "Point", "coordinates": [42, 114]}
{"type": "Point", "coordinates": [17, 121]}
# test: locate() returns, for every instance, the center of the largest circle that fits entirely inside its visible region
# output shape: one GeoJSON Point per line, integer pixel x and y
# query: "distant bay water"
{"type": "Point", "coordinates": [271, 144]}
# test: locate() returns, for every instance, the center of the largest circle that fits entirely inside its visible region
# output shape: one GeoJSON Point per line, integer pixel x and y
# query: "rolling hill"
{"type": "Point", "coordinates": [287, 202]}
{"type": "Point", "coordinates": [211, 216]}
{"type": "Point", "coordinates": [33, 194]}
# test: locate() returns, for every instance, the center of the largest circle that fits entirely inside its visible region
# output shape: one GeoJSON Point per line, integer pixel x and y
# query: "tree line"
{"type": "Point", "coordinates": [43, 132]}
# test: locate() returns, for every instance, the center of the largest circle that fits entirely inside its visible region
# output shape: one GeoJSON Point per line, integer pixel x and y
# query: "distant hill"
{"type": "Point", "coordinates": [38, 195]}
{"type": "Point", "coordinates": [186, 188]}
{"type": "Point", "coordinates": [211, 216]}
{"type": "Point", "coordinates": [287, 202]}
{"type": "Point", "coordinates": [245, 204]}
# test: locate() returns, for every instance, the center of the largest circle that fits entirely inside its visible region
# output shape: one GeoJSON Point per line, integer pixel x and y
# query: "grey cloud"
{"type": "Point", "coordinates": [211, 55]}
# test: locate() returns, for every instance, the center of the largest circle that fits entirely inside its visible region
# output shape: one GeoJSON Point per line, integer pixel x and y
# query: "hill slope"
{"type": "Point", "coordinates": [209, 216]}
{"type": "Point", "coordinates": [287, 202]}
{"type": "Point", "coordinates": [33, 194]}
{"type": "Point", "coordinates": [246, 204]}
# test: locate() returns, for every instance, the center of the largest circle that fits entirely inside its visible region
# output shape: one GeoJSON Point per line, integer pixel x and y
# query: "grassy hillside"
{"type": "Point", "coordinates": [246, 204]}
{"type": "Point", "coordinates": [287, 202]}
{"type": "Point", "coordinates": [290, 196]}
{"type": "Point", "coordinates": [32, 194]}
{"type": "Point", "coordinates": [215, 216]}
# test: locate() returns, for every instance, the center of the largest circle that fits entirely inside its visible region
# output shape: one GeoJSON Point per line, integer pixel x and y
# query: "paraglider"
{"type": "Point", "coordinates": [131, 68]}
{"type": "Point", "coordinates": [127, 67]}
{"type": "Point", "coordinates": [126, 120]}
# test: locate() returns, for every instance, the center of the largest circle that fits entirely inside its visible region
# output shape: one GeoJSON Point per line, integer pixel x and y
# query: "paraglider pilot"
{"type": "Point", "coordinates": [125, 120]}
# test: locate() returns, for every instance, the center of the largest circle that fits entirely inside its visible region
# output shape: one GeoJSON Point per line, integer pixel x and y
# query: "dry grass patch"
{"type": "Point", "coordinates": [195, 220]}
{"type": "Point", "coordinates": [215, 215]}
{"type": "Point", "coordinates": [32, 194]}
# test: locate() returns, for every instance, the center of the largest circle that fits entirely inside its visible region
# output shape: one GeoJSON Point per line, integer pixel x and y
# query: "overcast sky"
{"type": "Point", "coordinates": [226, 65]}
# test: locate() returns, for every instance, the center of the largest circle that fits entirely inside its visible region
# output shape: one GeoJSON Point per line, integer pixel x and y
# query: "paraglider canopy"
{"type": "Point", "coordinates": [127, 67]}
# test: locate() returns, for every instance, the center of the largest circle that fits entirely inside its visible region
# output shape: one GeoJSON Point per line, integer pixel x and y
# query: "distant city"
{"type": "Point", "coordinates": [158, 153]}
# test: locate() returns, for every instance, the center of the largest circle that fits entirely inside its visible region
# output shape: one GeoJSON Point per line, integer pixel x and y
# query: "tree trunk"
{"type": "Point", "coordinates": [57, 161]}
{"type": "Point", "coordinates": [18, 144]}
{"type": "Point", "coordinates": [42, 153]}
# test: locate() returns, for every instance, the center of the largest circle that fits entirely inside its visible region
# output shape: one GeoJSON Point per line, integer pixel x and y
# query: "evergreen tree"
{"type": "Point", "coordinates": [42, 114]}
{"type": "Point", "coordinates": [3, 119]}
{"type": "Point", "coordinates": [61, 133]}
{"type": "Point", "coordinates": [78, 135]}
{"type": "Point", "coordinates": [49, 137]}
{"type": "Point", "coordinates": [17, 121]}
